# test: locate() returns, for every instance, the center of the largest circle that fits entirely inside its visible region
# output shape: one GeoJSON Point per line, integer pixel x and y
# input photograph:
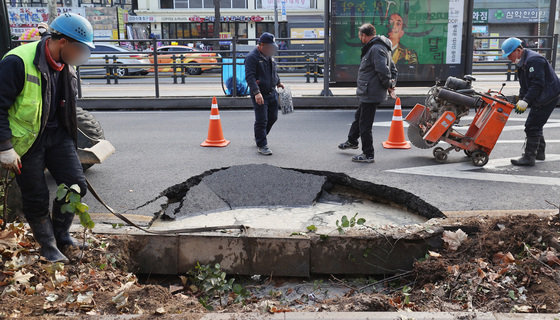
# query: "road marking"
{"type": "Point", "coordinates": [552, 123]}
{"type": "Point", "coordinates": [523, 141]}
{"type": "Point", "coordinates": [466, 170]}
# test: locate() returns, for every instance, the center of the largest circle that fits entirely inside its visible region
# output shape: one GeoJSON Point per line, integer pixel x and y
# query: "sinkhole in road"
{"type": "Point", "coordinates": [267, 197]}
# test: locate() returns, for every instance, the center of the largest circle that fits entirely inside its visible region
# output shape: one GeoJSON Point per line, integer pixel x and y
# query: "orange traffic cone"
{"type": "Point", "coordinates": [396, 134]}
{"type": "Point", "coordinates": [215, 133]}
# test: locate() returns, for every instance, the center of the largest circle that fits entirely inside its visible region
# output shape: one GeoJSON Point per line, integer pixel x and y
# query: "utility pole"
{"type": "Point", "coordinates": [276, 18]}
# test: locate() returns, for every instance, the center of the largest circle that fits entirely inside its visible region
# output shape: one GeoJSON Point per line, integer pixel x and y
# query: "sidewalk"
{"type": "Point", "coordinates": [209, 86]}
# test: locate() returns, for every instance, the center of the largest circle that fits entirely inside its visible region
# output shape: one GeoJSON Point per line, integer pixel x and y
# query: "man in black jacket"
{"type": "Point", "coordinates": [262, 77]}
{"type": "Point", "coordinates": [539, 90]}
{"type": "Point", "coordinates": [377, 76]}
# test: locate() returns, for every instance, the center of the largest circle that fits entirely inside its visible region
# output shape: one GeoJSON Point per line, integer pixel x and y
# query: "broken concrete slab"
{"type": "Point", "coordinates": [200, 198]}
{"type": "Point", "coordinates": [254, 185]}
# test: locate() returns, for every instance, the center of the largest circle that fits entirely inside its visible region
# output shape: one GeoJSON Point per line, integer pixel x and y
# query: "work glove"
{"type": "Point", "coordinates": [521, 106]}
{"type": "Point", "coordinates": [10, 160]}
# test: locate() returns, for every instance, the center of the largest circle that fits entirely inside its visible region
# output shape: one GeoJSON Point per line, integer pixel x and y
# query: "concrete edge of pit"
{"type": "Point", "coordinates": [278, 252]}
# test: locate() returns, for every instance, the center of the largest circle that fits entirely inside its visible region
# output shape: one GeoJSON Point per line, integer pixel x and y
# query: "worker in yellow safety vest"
{"type": "Point", "coordinates": [38, 126]}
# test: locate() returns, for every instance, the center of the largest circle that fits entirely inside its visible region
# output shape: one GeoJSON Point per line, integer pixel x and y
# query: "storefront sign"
{"type": "Point", "coordinates": [31, 16]}
{"type": "Point", "coordinates": [480, 16]}
{"type": "Point", "coordinates": [527, 15]}
{"type": "Point", "coordinates": [290, 4]}
{"type": "Point", "coordinates": [140, 19]}
{"type": "Point", "coordinates": [211, 19]}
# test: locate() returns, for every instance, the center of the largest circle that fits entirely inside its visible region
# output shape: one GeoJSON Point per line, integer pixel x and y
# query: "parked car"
{"type": "Point", "coordinates": [124, 58]}
{"type": "Point", "coordinates": [192, 57]}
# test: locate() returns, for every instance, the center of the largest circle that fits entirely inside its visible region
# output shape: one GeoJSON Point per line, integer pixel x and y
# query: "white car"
{"type": "Point", "coordinates": [124, 57]}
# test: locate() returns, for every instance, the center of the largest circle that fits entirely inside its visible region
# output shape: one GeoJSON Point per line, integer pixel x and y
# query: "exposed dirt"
{"type": "Point", "coordinates": [502, 265]}
{"type": "Point", "coordinates": [505, 264]}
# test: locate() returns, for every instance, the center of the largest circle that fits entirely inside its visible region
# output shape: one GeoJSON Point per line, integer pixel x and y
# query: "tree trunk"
{"type": "Point", "coordinates": [51, 10]}
{"type": "Point", "coordinates": [217, 18]}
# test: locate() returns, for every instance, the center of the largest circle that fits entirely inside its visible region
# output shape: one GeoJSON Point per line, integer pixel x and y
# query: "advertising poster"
{"type": "Point", "coordinates": [307, 34]}
{"type": "Point", "coordinates": [24, 18]}
{"type": "Point", "coordinates": [428, 36]}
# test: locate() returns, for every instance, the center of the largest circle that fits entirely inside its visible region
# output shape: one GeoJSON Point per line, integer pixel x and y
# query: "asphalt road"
{"type": "Point", "coordinates": [158, 149]}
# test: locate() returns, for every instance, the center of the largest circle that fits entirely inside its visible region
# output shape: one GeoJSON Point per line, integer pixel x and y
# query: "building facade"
{"type": "Point", "coordinates": [245, 19]}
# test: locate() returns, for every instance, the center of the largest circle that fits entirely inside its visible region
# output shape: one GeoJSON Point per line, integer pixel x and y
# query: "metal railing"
{"type": "Point", "coordinates": [490, 61]}
{"type": "Point", "coordinates": [177, 65]}
{"type": "Point", "coordinates": [147, 62]}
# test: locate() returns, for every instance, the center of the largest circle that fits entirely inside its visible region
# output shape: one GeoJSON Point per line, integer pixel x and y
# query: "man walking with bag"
{"type": "Point", "coordinates": [262, 77]}
{"type": "Point", "coordinates": [377, 76]}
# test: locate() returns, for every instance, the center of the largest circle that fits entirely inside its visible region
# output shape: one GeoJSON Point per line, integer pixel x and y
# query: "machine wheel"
{"type": "Point", "coordinates": [479, 158]}
{"type": "Point", "coordinates": [89, 131]}
{"type": "Point", "coordinates": [440, 154]}
{"type": "Point", "coordinates": [468, 153]}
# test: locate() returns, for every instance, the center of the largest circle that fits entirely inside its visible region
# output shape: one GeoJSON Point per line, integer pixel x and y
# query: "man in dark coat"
{"type": "Point", "coordinates": [377, 76]}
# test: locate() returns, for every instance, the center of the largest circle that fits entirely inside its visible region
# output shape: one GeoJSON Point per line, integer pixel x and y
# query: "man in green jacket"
{"type": "Point", "coordinates": [38, 126]}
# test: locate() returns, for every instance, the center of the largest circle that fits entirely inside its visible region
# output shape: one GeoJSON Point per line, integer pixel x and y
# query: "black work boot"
{"type": "Point", "coordinates": [528, 158]}
{"type": "Point", "coordinates": [61, 223]}
{"type": "Point", "coordinates": [540, 149]}
{"type": "Point", "coordinates": [43, 233]}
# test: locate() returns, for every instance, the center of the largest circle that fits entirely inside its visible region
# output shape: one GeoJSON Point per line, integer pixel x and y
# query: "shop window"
{"type": "Point", "coordinates": [239, 3]}
{"type": "Point", "coordinates": [195, 3]}
{"type": "Point", "coordinates": [181, 3]}
{"type": "Point", "coordinates": [263, 27]}
{"type": "Point", "coordinates": [166, 4]}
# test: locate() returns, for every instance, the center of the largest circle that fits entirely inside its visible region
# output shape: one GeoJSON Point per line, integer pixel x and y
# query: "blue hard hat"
{"type": "Point", "coordinates": [74, 26]}
{"type": "Point", "coordinates": [509, 46]}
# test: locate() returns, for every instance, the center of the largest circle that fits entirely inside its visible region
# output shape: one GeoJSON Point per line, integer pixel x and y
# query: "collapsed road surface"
{"type": "Point", "coordinates": [264, 196]}
{"type": "Point", "coordinates": [298, 222]}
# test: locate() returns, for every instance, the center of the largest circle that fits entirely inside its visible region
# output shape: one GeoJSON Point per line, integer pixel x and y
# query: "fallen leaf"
{"type": "Point", "coordinates": [52, 297]}
{"type": "Point", "coordinates": [434, 254]}
{"type": "Point", "coordinates": [550, 258]}
{"type": "Point", "coordinates": [22, 278]}
{"type": "Point", "coordinates": [503, 259]}
{"type": "Point", "coordinates": [454, 239]}
{"type": "Point", "coordinates": [8, 240]}
{"type": "Point", "coordinates": [454, 270]}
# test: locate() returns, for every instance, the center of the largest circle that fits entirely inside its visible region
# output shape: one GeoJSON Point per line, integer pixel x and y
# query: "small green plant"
{"type": "Point", "coordinates": [311, 228]}
{"type": "Point", "coordinates": [345, 223]}
{"type": "Point", "coordinates": [72, 203]}
{"type": "Point", "coordinates": [406, 291]}
{"type": "Point", "coordinates": [211, 282]}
